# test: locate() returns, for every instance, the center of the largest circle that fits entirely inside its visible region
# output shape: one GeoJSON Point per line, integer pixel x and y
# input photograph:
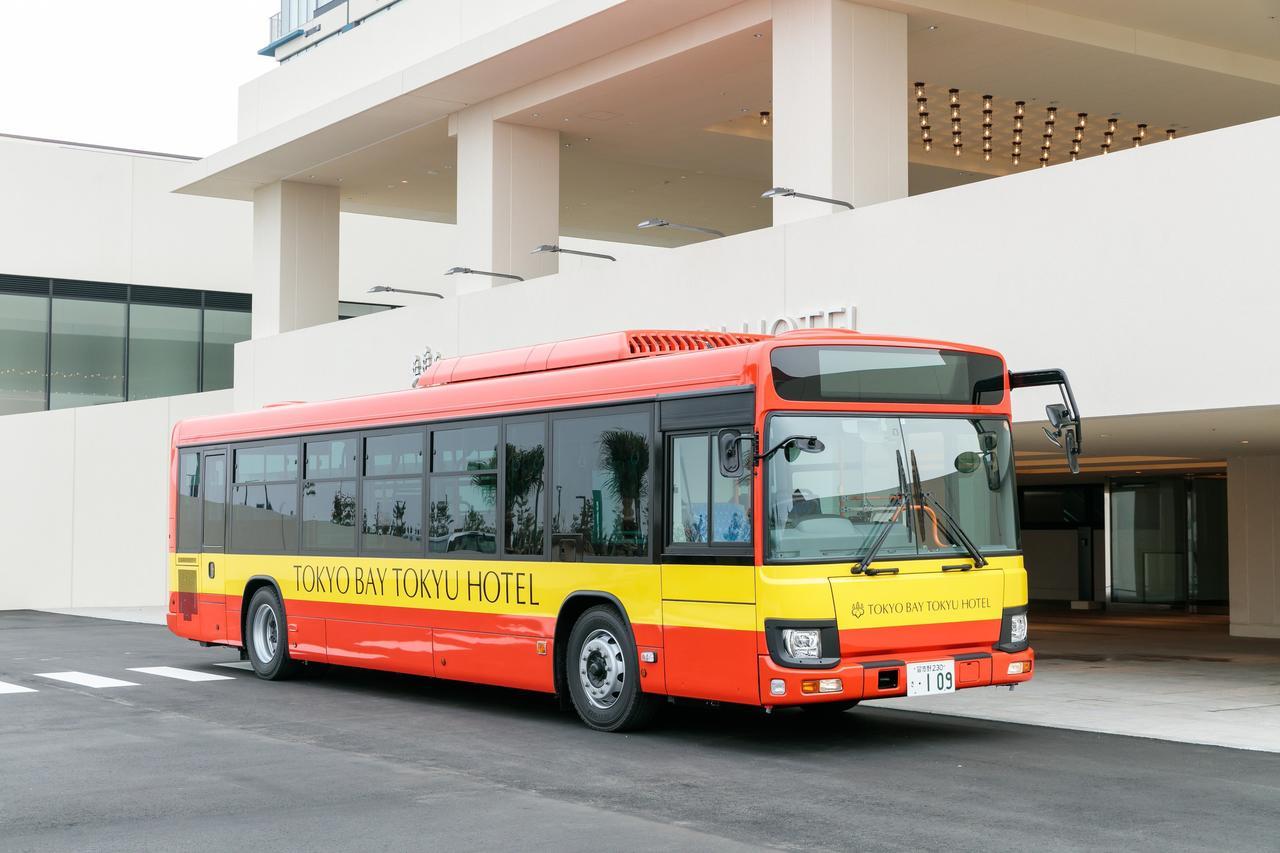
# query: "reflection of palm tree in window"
{"type": "Point", "coordinates": [624, 455]}
{"type": "Point", "coordinates": [525, 469]}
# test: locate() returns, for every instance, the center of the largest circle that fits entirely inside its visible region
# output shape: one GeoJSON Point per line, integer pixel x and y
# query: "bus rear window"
{"type": "Point", "coordinates": [887, 375]}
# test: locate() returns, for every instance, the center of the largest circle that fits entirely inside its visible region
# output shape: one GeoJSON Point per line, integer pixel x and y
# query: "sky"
{"type": "Point", "coordinates": [157, 75]}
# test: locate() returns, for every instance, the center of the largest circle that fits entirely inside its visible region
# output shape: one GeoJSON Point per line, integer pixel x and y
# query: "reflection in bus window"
{"type": "Point", "coordinates": [392, 516]}
{"type": "Point", "coordinates": [463, 514]}
{"type": "Point", "coordinates": [264, 518]}
{"type": "Point", "coordinates": [601, 478]}
{"type": "Point", "coordinates": [525, 487]}
{"type": "Point", "coordinates": [329, 515]}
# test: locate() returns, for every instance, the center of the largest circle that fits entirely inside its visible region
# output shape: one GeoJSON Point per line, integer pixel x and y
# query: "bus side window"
{"type": "Point", "coordinates": [602, 485]}
{"type": "Point", "coordinates": [707, 509]}
{"type": "Point", "coordinates": [188, 502]}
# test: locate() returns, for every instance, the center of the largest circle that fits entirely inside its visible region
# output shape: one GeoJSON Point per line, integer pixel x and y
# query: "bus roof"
{"type": "Point", "coordinates": [613, 367]}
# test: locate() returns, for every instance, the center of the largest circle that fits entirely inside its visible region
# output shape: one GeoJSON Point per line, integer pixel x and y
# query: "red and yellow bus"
{"type": "Point", "coordinates": [804, 520]}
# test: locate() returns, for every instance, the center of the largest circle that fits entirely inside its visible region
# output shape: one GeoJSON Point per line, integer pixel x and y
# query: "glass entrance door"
{"type": "Point", "coordinates": [1168, 541]}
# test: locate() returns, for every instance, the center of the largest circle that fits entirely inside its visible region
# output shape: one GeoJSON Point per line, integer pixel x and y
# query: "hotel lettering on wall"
{"type": "Point", "coordinates": [840, 317]}
{"type": "Point", "coordinates": [423, 360]}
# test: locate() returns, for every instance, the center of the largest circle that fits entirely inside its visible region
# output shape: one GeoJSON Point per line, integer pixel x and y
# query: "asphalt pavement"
{"type": "Point", "coordinates": [108, 743]}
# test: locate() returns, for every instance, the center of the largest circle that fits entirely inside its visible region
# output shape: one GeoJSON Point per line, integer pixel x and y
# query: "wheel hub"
{"type": "Point", "coordinates": [602, 669]}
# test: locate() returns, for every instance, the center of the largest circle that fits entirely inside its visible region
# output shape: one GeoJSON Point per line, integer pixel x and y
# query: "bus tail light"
{"type": "Point", "coordinates": [821, 685]}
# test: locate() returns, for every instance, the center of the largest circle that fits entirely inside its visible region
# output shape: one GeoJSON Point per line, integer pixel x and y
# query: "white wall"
{"type": "Point", "coordinates": [1127, 270]}
{"type": "Point", "coordinates": [84, 510]}
{"type": "Point", "coordinates": [85, 213]}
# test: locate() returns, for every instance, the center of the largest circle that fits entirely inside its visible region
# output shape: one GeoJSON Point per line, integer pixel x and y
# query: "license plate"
{"type": "Point", "coordinates": [930, 677]}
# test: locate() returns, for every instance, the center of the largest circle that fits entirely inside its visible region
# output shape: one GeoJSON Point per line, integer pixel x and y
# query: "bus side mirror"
{"type": "Point", "coordinates": [1058, 414]}
{"type": "Point", "coordinates": [735, 452]}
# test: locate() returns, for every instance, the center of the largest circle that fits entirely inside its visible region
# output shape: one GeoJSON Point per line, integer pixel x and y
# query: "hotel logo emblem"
{"type": "Point", "coordinates": [857, 610]}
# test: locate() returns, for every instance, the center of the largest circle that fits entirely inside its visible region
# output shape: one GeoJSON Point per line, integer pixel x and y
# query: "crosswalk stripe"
{"type": "Point", "coordinates": [236, 664]}
{"type": "Point", "coordinates": [180, 674]}
{"type": "Point", "coordinates": [85, 679]}
{"type": "Point", "coordinates": [6, 687]}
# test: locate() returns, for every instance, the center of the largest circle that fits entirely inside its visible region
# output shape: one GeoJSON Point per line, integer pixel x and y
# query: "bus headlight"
{"type": "Point", "coordinates": [803, 643]}
{"type": "Point", "coordinates": [1018, 628]}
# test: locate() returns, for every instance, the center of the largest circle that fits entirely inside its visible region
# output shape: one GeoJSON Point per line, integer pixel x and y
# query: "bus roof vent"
{"type": "Point", "coordinates": [597, 349]}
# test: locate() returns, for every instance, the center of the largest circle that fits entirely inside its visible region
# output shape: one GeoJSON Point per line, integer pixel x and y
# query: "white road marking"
{"type": "Point", "coordinates": [85, 679]}
{"type": "Point", "coordinates": [236, 664]}
{"type": "Point", "coordinates": [6, 687]}
{"type": "Point", "coordinates": [180, 674]}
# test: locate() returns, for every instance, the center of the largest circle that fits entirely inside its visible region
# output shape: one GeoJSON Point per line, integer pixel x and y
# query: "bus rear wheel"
{"type": "Point", "coordinates": [603, 673]}
{"type": "Point", "coordinates": [266, 637]}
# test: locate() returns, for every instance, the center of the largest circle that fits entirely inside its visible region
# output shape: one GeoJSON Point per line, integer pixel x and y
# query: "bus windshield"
{"type": "Point", "coordinates": [829, 505]}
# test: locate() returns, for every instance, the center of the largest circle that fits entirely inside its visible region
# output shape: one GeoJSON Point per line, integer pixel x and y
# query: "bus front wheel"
{"type": "Point", "coordinates": [603, 673]}
{"type": "Point", "coordinates": [266, 637]}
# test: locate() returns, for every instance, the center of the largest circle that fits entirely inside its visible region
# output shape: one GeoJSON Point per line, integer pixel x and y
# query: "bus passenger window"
{"type": "Point", "coordinates": [526, 488]}
{"type": "Point", "coordinates": [264, 500]}
{"type": "Point", "coordinates": [188, 502]}
{"type": "Point", "coordinates": [329, 496]}
{"type": "Point", "coordinates": [600, 505]}
{"type": "Point", "coordinates": [462, 516]}
{"type": "Point", "coordinates": [391, 494]}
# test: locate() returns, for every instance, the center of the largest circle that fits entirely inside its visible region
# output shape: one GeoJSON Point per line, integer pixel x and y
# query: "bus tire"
{"type": "Point", "coordinates": [603, 673]}
{"type": "Point", "coordinates": [266, 637]}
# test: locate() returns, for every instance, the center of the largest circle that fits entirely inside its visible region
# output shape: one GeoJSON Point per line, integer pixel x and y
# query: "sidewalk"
{"type": "Point", "coordinates": [1171, 677]}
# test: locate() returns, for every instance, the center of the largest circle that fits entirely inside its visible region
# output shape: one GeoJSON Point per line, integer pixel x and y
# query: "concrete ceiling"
{"type": "Point", "coordinates": [681, 138]}
{"type": "Point", "coordinates": [1167, 442]}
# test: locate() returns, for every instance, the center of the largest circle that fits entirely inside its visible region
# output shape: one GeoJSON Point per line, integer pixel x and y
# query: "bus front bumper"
{"type": "Point", "coordinates": [886, 678]}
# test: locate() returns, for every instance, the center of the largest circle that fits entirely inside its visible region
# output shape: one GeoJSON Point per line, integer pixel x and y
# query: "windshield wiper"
{"type": "Point", "coordinates": [864, 564]}
{"type": "Point", "coordinates": [955, 531]}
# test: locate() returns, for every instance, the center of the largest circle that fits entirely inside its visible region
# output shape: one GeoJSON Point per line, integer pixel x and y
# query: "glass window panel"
{"type": "Point", "coordinates": [329, 516]}
{"type": "Point", "coordinates": [24, 329]}
{"type": "Point", "coordinates": [347, 310]}
{"type": "Point", "coordinates": [88, 353]}
{"type": "Point", "coordinates": [690, 464]}
{"type": "Point", "coordinates": [467, 449]}
{"type": "Point", "coordinates": [270, 463]}
{"type": "Point", "coordinates": [831, 504]}
{"type": "Point", "coordinates": [393, 454]}
{"type": "Point", "coordinates": [333, 458]}
{"type": "Point", "coordinates": [215, 500]}
{"type": "Point", "coordinates": [188, 502]}
{"type": "Point", "coordinates": [264, 518]}
{"type": "Point", "coordinates": [391, 516]}
{"type": "Point", "coordinates": [222, 331]}
{"type": "Point", "coordinates": [164, 351]}
{"type": "Point", "coordinates": [601, 477]}
{"type": "Point", "coordinates": [888, 375]}
{"type": "Point", "coordinates": [463, 515]}
{"type": "Point", "coordinates": [731, 513]}
{"type": "Point", "coordinates": [526, 488]}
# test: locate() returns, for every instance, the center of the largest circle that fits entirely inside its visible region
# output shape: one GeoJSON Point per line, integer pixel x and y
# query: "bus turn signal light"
{"type": "Point", "coordinates": [824, 685]}
{"type": "Point", "coordinates": [1020, 667]}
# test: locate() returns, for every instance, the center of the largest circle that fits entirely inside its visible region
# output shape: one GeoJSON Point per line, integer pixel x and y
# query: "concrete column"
{"type": "Point", "coordinates": [508, 197]}
{"type": "Point", "coordinates": [839, 104]}
{"type": "Point", "coordinates": [295, 257]}
{"type": "Point", "coordinates": [1253, 543]}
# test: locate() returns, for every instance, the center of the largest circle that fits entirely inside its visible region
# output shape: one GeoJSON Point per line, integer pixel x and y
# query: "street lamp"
{"type": "Point", "coordinates": [662, 223]}
{"type": "Point", "coordinates": [547, 247]}
{"type": "Point", "coordinates": [787, 192]}
{"type": "Point", "coordinates": [382, 288]}
{"type": "Point", "coordinates": [469, 271]}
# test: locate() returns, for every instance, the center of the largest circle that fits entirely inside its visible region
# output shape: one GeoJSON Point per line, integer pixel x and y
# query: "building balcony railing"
{"type": "Point", "coordinates": [292, 15]}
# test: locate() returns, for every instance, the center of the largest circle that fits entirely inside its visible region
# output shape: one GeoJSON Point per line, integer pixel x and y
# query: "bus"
{"type": "Point", "coordinates": [809, 519]}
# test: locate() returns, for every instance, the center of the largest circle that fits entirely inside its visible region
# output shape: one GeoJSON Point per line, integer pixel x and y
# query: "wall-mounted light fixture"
{"type": "Point", "coordinates": [382, 288]}
{"type": "Point", "coordinates": [1170, 133]}
{"type": "Point", "coordinates": [662, 223]}
{"type": "Point", "coordinates": [548, 247]}
{"type": "Point", "coordinates": [788, 192]}
{"type": "Point", "coordinates": [764, 118]}
{"type": "Point", "coordinates": [469, 271]}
